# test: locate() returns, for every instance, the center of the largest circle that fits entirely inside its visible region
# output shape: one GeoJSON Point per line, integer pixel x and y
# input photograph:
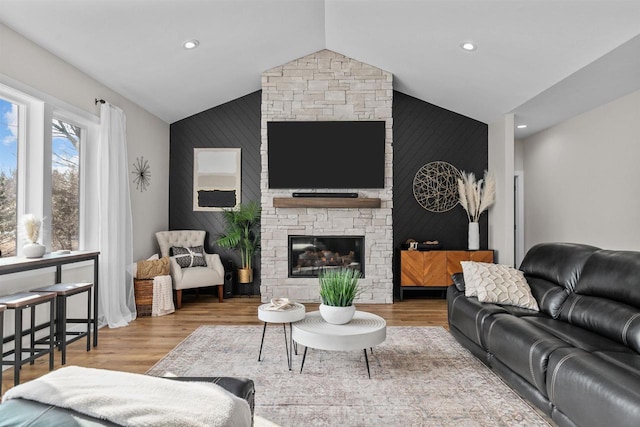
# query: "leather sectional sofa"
{"type": "Point", "coordinates": [577, 359]}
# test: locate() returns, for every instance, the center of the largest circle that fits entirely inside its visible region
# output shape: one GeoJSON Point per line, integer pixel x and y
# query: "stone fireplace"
{"type": "Point", "coordinates": [326, 86]}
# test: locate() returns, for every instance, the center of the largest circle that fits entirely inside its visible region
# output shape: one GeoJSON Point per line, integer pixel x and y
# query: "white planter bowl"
{"type": "Point", "coordinates": [337, 315]}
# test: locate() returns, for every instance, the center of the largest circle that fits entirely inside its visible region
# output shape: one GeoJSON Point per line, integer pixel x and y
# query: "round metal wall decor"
{"type": "Point", "coordinates": [435, 186]}
{"type": "Point", "coordinates": [142, 174]}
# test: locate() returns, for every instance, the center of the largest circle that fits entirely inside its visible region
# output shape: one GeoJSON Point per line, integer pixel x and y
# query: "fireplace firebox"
{"type": "Point", "coordinates": [309, 255]}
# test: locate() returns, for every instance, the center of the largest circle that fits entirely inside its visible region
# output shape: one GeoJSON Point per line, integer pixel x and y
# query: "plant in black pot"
{"type": "Point", "coordinates": [242, 232]}
{"type": "Point", "coordinates": [339, 287]}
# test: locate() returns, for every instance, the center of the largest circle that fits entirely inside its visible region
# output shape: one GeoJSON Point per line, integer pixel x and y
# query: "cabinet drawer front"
{"type": "Point", "coordinates": [453, 262]}
{"type": "Point", "coordinates": [412, 266]}
{"type": "Point", "coordinates": [435, 269]}
{"type": "Point", "coordinates": [481, 256]}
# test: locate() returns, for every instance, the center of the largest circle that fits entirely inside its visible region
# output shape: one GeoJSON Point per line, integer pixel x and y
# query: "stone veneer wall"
{"type": "Point", "coordinates": [326, 86]}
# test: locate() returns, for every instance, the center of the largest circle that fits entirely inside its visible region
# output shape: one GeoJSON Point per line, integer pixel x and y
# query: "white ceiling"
{"type": "Point", "coordinates": [544, 60]}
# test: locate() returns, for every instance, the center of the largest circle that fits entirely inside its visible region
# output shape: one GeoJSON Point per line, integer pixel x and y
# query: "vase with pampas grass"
{"type": "Point", "coordinates": [32, 224]}
{"type": "Point", "coordinates": [475, 198]}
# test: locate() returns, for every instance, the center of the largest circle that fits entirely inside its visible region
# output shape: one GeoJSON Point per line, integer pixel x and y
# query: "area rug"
{"type": "Point", "coordinates": [420, 376]}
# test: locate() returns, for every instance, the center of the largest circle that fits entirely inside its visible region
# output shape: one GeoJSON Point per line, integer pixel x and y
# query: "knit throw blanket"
{"type": "Point", "coordinates": [134, 399]}
{"type": "Point", "coordinates": [162, 302]}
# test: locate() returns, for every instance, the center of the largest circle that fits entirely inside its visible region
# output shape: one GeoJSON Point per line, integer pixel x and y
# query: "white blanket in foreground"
{"type": "Point", "coordinates": [135, 399]}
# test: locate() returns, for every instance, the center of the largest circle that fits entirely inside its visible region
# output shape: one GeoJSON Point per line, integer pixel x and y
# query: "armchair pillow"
{"type": "Point", "coordinates": [189, 257]}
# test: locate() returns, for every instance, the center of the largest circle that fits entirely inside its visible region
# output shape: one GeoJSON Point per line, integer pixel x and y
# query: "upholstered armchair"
{"type": "Point", "coordinates": [187, 268]}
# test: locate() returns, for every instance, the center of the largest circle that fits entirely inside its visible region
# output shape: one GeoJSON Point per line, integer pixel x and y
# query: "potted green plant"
{"type": "Point", "coordinates": [338, 288]}
{"type": "Point", "coordinates": [242, 232]}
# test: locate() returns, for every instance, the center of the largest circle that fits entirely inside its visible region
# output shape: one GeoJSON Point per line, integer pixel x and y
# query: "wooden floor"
{"type": "Point", "coordinates": [137, 347]}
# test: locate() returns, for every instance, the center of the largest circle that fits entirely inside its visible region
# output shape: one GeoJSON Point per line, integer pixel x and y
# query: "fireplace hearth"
{"type": "Point", "coordinates": [309, 255]}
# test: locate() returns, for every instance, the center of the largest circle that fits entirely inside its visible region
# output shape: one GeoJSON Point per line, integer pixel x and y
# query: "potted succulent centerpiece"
{"type": "Point", "coordinates": [32, 224]}
{"type": "Point", "coordinates": [338, 288]}
{"type": "Point", "coordinates": [242, 232]}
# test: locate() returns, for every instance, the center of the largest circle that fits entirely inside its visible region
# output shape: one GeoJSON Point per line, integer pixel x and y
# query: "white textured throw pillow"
{"type": "Point", "coordinates": [499, 284]}
{"type": "Point", "coordinates": [471, 278]}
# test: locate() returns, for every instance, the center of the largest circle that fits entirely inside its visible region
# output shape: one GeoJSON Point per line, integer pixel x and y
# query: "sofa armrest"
{"type": "Point", "coordinates": [214, 263]}
{"type": "Point", "coordinates": [244, 388]}
{"type": "Point", "coordinates": [458, 280]}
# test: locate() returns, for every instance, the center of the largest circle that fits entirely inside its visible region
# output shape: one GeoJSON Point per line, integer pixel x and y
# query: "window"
{"type": "Point", "coordinates": [65, 185]}
{"type": "Point", "coordinates": [45, 145]}
{"type": "Point", "coordinates": [8, 176]}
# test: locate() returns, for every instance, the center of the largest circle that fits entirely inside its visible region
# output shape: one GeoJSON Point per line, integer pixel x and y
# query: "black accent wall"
{"type": "Point", "coordinates": [422, 133]}
{"type": "Point", "coordinates": [235, 124]}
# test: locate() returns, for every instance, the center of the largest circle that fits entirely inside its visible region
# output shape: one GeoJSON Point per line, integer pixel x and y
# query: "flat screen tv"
{"type": "Point", "coordinates": [326, 155]}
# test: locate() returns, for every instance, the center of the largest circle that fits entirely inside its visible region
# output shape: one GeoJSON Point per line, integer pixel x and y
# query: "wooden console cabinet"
{"type": "Point", "coordinates": [433, 269]}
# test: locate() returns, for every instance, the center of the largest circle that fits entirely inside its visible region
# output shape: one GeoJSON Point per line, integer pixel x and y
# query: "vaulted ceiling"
{"type": "Point", "coordinates": [542, 60]}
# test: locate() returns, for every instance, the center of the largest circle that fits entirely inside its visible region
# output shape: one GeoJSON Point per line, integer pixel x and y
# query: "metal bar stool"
{"type": "Point", "coordinates": [19, 302]}
{"type": "Point", "coordinates": [64, 291]}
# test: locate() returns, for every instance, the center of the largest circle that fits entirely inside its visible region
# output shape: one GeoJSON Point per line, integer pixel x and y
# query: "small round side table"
{"type": "Point", "coordinates": [292, 313]}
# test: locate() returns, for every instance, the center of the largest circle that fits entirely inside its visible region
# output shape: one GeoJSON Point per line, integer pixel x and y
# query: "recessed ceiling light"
{"type": "Point", "coordinates": [521, 126]}
{"type": "Point", "coordinates": [191, 44]}
{"type": "Point", "coordinates": [468, 46]}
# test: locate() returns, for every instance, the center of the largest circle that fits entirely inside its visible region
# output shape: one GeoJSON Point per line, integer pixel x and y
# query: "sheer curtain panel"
{"type": "Point", "coordinates": [117, 303]}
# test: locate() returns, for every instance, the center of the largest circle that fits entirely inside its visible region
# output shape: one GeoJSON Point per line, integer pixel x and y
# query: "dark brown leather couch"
{"type": "Point", "coordinates": [578, 359]}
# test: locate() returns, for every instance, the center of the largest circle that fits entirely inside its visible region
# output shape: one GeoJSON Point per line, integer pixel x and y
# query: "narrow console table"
{"type": "Point", "coordinates": [12, 265]}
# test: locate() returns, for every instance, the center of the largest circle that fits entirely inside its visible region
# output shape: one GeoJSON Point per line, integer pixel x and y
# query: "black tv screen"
{"type": "Point", "coordinates": [331, 154]}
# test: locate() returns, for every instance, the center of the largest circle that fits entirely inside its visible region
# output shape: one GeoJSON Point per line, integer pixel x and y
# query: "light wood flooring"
{"type": "Point", "coordinates": [137, 347]}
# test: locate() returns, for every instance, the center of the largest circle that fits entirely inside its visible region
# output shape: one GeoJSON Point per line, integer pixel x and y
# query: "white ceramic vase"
{"type": "Point", "coordinates": [33, 250]}
{"type": "Point", "coordinates": [474, 236]}
{"type": "Point", "coordinates": [337, 315]}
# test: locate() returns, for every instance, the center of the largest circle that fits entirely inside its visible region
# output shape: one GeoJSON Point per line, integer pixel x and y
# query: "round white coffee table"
{"type": "Point", "coordinates": [365, 330]}
{"type": "Point", "coordinates": [292, 313]}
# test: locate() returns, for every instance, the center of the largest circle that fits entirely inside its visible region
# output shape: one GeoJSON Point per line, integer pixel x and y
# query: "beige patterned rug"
{"type": "Point", "coordinates": [420, 376]}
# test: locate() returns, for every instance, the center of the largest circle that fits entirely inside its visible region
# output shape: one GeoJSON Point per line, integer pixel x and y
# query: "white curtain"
{"type": "Point", "coordinates": [117, 302]}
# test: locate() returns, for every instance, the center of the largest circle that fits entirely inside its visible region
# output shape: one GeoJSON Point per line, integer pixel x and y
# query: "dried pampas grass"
{"type": "Point", "coordinates": [31, 226]}
{"type": "Point", "coordinates": [476, 196]}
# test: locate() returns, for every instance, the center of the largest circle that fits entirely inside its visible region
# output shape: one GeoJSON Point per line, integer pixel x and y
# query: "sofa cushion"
{"type": "Point", "coordinates": [549, 295]}
{"type": "Point", "coordinates": [496, 283]}
{"type": "Point", "coordinates": [577, 336]}
{"type": "Point", "coordinates": [559, 263]}
{"type": "Point", "coordinates": [592, 391]}
{"type": "Point", "coordinates": [468, 315]}
{"type": "Point", "coordinates": [521, 346]}
{"type": "Point", "coordinates": [611, 319]}
{"type": "Point", "coordinates": [189, 257]}
{"type": "Point", "coordinates": [606, 299]}
{"type": "Point", "coordinates": [552, 270]}
{"type": "Point", "coordinates": [626, 360]}
{"type": "Point", "coordinates": [612, 275]}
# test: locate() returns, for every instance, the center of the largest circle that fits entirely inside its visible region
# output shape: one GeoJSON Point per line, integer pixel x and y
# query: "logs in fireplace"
{"type": "Point", "coordinates": [309, 255]}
